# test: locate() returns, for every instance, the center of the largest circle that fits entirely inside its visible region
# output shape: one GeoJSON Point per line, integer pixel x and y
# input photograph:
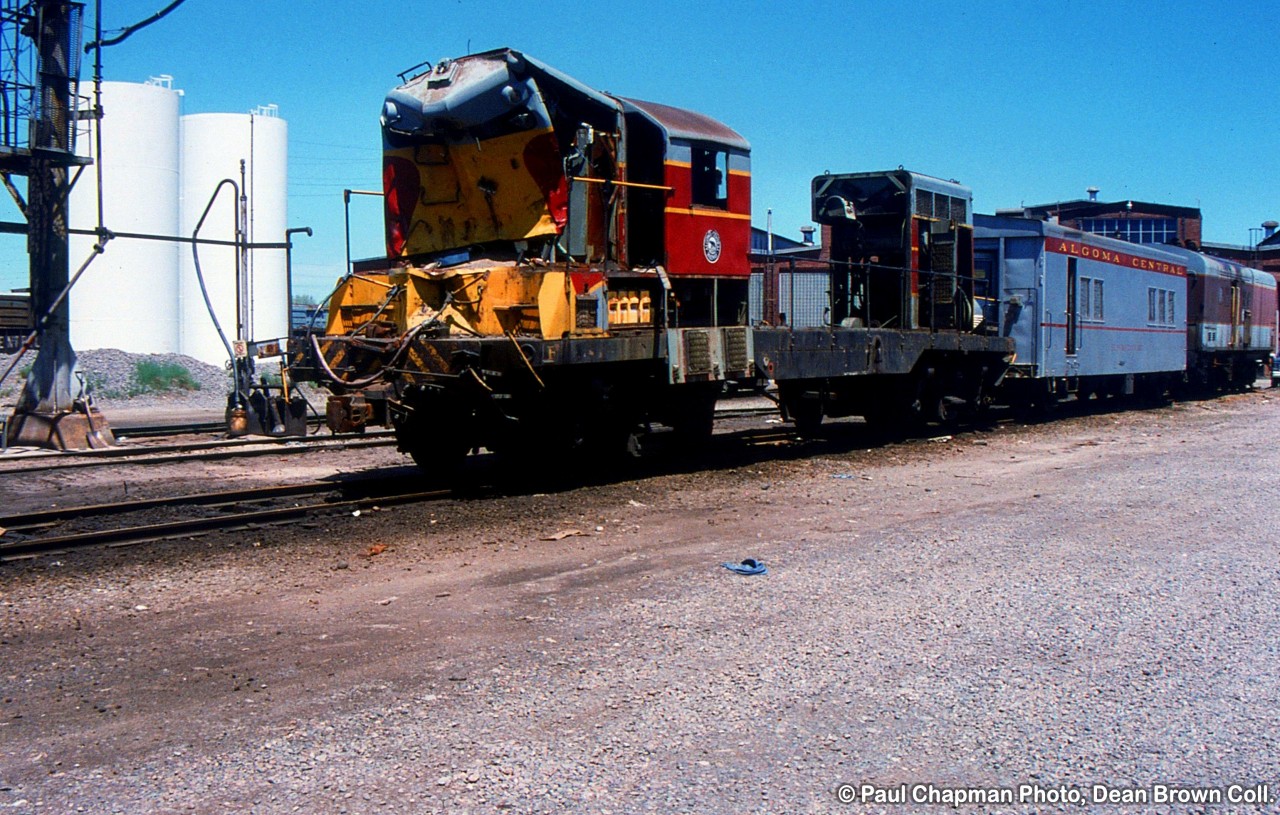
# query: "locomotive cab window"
{"type": "Point", "coordinates": [710, 183]}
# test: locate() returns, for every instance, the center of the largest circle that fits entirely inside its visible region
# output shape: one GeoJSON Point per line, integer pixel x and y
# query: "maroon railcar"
{"type": "Point", "coordinates": [1231, 321]}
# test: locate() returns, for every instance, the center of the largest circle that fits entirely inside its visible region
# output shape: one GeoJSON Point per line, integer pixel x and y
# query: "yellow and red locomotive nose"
{"type": "Point", "coordinates": [402, 187]}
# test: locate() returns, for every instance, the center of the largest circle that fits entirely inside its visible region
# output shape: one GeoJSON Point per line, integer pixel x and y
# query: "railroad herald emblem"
{"type": "Point", "coordinates": [711, 246]}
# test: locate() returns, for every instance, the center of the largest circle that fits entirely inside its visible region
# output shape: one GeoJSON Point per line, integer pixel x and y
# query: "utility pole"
{"type": "Point", "coordinates": [51, 412]}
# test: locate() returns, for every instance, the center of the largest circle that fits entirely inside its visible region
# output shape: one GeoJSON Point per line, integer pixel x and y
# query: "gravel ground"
{"type": "Point", "coordinates": [1089, 601]}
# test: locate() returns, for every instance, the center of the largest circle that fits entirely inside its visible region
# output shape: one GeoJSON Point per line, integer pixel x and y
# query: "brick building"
{"type": "Point", "coordinates": [1133, 221]}
{"type": "Point", "coordinates": [1146, 222]}
{"type": "Point", "coordinates": [1264, 255]}
{"type": "Point", "coordinates": [789, 280]}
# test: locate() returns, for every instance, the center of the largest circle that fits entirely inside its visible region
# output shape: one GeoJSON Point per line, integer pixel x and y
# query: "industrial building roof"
{"type": "Point", "coordinates": [1081, 208]}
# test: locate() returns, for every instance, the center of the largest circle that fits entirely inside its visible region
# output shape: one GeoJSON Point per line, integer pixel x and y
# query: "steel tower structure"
{"type": "Point", "coordinates": [39, 79]}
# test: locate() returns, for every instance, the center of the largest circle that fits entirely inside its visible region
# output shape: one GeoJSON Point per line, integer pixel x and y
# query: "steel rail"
{"type": "Point", "coordinates": [131, 535]}
{"type": "Point", "coordinates": [49, 517]}
{"type": "Point", "coordinates": [151, 430]}
{"type": "Point", "coordinates": [194, 451]}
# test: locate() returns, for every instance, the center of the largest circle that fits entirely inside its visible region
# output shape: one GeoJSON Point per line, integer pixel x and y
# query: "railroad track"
{"type": "Point", "coordinates": [148, 431]}
{"type": "Point", "coordinates": [194, 428]}
{"type": "Point", "coordinates": [214, 449]}
{"type": "Point", "coordinates": [189, 451]}
{"type": "Point", "coordinates": [34, 534]}
{"type": "Point", "coordinates": [37, 534]}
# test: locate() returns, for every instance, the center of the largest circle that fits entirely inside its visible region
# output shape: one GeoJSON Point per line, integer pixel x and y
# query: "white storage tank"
{"type": "Point", "coordinates": [212, 147]}
{"type": "Point", "coordinates": [128, 297]}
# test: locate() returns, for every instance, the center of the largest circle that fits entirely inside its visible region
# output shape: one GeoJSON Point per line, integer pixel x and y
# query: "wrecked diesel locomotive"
{"type": "Point", "coordinates": [566, 267]}
{"type": "Point", "coordinates": [563, 266]}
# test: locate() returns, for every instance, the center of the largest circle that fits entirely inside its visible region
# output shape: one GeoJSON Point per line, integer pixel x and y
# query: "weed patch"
{"type": "Point", "coordinates": [161, 377]}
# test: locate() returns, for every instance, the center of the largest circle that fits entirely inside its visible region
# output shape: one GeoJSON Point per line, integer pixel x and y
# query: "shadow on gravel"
{"type": "Point", "coordinates": [488, 475]}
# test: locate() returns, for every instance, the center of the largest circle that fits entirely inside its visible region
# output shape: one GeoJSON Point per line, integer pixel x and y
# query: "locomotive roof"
{"type": "Point", "coordinates": [473, 82]}
{"type": "Point", "coordinates": [469, 89]}
{"type": "Point", "coordinates": [1209, 266]}
{"type": "Point", "coordinates": [687, 124]}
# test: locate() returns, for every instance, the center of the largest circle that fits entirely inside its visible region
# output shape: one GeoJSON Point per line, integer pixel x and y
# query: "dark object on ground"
{"type": "Point", "coordinates": [748, 567]}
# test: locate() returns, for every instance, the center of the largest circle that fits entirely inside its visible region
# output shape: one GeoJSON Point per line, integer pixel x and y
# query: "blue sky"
{"type": "Point", "coordinates": [1025, 102]}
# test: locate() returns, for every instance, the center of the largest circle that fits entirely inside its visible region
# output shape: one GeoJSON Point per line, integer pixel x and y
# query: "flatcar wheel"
{"type": "Point", "coordinates": [807, 414]}
{"type": "Point", "coordinates": [943, 412]}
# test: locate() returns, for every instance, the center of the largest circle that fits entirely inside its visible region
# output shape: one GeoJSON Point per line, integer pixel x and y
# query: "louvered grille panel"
{"type": "Point", "coordinates": [942, 207]}
{"type": "Point", "coordinates": [943, 257]}
{"type": "Point", "coordinates": [924, 203]}
{"type": "Point", "coordinates": [697, 352]}
{"type": "Point", "coordinates": [735, 349]}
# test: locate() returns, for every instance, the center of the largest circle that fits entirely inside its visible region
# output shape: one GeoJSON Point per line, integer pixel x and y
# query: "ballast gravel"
{"type": "Point", "coordinates": [1087, 602]}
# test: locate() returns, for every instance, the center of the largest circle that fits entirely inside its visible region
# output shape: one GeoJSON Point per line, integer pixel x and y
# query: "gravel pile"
{"type": "Point", "coordinates": [114, 377]}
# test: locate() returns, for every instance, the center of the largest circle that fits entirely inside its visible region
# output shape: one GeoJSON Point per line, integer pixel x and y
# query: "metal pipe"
{"type": "Point", "coordinates": [98, 44]}
{"type": "Point", "coordinates": [195, 254]}
{"type": "Point", "coordinates": [38, 325]}
{"type": "Point", "coordinates": [244, 290]}
{"type": "Point", "coordinates": [346, 214]}
{"type": "Point", "coordinates": [97, 106]}
{"type": "Point", "coordinates": [346, 226]}
{"type": "Point", "coordinates": [17, 228]}
{"type": "Point", "coordinates": [288, 272]}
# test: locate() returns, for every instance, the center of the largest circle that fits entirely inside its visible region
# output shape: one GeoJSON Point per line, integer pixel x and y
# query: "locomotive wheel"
{"type": "Point", "coordinates": [438, 456]}
{"type": "Point", "coordinates": [436, 439]}
{"type": "Point", "coordinates": [951, 411]}
{"type": "Point", "coordinates": [802, 407]}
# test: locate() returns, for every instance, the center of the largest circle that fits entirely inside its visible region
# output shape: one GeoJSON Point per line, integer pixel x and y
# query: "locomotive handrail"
{"type": "Point", "coordinates": [635, 184]}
